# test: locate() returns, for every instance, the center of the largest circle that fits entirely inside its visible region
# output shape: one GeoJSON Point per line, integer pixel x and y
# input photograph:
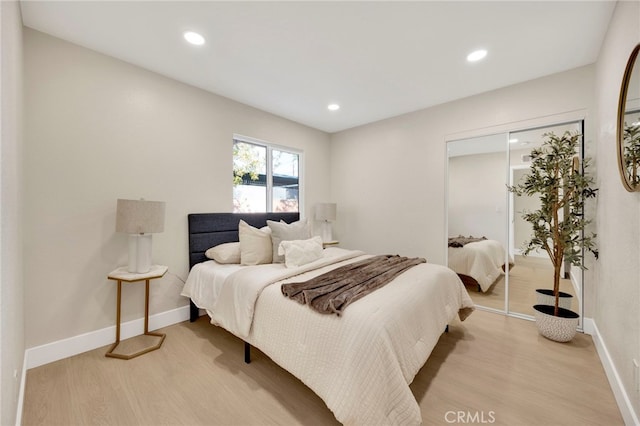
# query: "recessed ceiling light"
{"type": "Point", "coordinates": [194, 38]}
{"type": "Point", "coordinates": [514, 140]}
{"type": "Point", "coordinates": [476, 55]}
{"type": "Point", "coordinates": [333, 107]}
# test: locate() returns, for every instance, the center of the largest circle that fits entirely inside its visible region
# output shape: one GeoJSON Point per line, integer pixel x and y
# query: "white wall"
{"type": "Point", "coordinates": [522, 230]}
{"type": "Point", "coordinates": [477, 196]}
{"type": "Point", "coordinates": [98, 129]}
{"type": "Point", "coordinates": [11, 282]}
{"type": "Point", "coordinates": [617, 307]}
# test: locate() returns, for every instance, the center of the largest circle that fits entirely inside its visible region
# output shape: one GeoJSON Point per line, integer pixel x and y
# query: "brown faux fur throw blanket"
{"type": "Point", "coordinates": [460, 241]}
{"type": "Point", "coordinates": [333, 291]}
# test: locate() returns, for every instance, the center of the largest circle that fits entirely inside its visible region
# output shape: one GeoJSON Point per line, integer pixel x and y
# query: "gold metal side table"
{"type": "Point", "coordinates": [121, 274]}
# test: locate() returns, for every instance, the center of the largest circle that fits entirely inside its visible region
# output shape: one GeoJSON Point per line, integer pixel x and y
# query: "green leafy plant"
{"type": "Point", "coordinates": [562, 184]}
{"type": "Point", "coordinates": [248, 162]}
{"type": "Point", "coordinates": [631, 143]}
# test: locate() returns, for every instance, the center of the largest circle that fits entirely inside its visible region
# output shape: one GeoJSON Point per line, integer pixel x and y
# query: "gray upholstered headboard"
{"type": "Point", "coordinates": [210, 229]}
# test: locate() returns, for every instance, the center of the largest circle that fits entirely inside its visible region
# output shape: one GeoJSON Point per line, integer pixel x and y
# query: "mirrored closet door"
{"type": "Point", "coordinates": [485, 226]}
{"type": "Point", "coordinates": [477, 216]}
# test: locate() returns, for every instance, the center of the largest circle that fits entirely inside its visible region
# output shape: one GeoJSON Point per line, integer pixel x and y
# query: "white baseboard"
{"type": "Point", "coordinates": [622, 398]}
{"type": "Point", "coordinates": [588, 326]}
{"type": "Point", "coordinates": [23, 382]}
{"type": "Point", "coordinates": [65, 348]}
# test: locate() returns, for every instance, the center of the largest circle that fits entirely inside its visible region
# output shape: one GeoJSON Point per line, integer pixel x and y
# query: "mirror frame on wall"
{"type": "Point", "coordinates": [507, 131]}
{"type": "Point", "coordinates": [630, 183]}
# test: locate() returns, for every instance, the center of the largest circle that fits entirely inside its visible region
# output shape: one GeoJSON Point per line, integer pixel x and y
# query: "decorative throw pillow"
{"type": "Point", "coordinates": [300, 252]}
{"type": "Point", "coordinates": [225, 253]}
{"type": "Point", "coordinates": [255, 245]}
{"type": "Point", "coordinates": [281, 231]}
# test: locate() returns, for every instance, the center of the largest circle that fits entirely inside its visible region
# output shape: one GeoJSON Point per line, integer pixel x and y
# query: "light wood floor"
{"type": "Point", "coordinates": [490, 366]}
{"type": "Point", "coordinates": [528, 274]}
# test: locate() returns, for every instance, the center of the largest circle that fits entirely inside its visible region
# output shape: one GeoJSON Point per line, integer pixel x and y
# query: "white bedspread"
{"type": "Point", "coordinates": [231, 291]}
{"type": "Point", "coordinates": [481, 260]}
{"type": "Point", "coordinates": [360, 364]}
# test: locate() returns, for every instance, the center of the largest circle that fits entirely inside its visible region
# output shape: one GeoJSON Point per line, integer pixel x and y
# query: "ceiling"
{"type": "Point", "coordinates": [375, 59]}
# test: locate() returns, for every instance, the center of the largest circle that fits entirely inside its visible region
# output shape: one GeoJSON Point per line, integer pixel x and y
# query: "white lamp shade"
{"type": "Point", "coordinates": [140, 216]}
{"type": "Point", "coordinates": [326, 211]}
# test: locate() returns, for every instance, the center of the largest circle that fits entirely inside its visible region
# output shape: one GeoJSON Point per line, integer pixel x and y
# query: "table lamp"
{"type": "Point", "coordinates": [140, 219]}
{"type": "Point", "coordinates": [326, 212]}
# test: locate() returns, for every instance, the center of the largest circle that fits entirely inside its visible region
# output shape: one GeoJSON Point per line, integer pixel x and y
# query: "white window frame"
{"type": "Point", "coordinates": [269, 171]}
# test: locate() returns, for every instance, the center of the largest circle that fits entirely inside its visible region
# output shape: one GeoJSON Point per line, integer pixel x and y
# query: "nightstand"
{"type": "Point", "coordinates": [330, 243]}
{"type": "Point", "coordinates": [121, 274]}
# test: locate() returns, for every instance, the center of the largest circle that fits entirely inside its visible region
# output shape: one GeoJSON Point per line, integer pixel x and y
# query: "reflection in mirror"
{"type": "Point", "coordinates": [631, 149]}
{"type": "Point", "coordinates": [629, 125]}
{"type": "Point", "coordinates": [485, 226]}
{"type": "Point", "coordinates": [477, 216]}
{"type": "Point", "coordinates": [534, 271]}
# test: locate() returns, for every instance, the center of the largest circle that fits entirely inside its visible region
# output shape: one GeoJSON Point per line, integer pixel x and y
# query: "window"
{"type": "Point", "coordinates": [266, 178]}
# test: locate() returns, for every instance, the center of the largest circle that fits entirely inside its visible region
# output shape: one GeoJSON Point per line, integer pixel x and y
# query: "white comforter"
{"type": "Point", "coordinates": [481, 260]}
{"type": "Point", "coordinates": [360, 364]}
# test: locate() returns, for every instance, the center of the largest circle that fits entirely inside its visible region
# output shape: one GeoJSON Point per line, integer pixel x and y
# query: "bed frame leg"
{"type": "Point", "coordinates": [479, 289]}
{"type": "Point", "coordinates": [446, 329]}
{"type": "Point", "coordinates": [194, 311]}
{"type": "Point", "coordinates": [247, 353]}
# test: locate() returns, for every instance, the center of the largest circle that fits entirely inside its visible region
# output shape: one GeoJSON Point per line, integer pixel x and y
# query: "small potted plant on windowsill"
{"type": "Point", "coordinates": [559, 224]}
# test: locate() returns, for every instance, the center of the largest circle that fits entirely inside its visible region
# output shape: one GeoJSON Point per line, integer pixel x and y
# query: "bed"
{"type": "Point", "coordinates": [360, 362]}
{"type": "Point", "coordinates": [479, 262]}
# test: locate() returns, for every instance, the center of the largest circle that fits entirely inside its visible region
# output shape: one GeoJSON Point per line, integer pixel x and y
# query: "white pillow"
{"type": "Point", "coordinates": [300, 252]}
{"type": "Point", "coordinates": [255, 245]}
{"type": "Point", "coordinates": [225, 253]}
{"type": "Point", "coordinates": [281, 231]}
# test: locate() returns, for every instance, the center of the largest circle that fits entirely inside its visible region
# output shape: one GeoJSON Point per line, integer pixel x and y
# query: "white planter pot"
{"type": "Point", "coordinates": [546, 297]}
{"type": "Point", "coordinates": [560, 328]}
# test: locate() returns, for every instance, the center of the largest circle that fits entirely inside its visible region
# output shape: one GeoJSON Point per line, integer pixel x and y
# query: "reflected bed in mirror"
{"type": "Point", "coordinates": [628, 131]}
{"type": "Point", "coordinates": [477, 261]}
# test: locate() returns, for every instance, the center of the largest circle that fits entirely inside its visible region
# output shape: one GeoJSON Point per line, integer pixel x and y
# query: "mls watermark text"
{"type": "Point", "coordinates": [470, 417]}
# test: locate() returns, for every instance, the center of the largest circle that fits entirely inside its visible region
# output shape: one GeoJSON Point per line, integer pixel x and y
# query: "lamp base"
{"type": "Point", "coordinates": [326, 232]}
{"type": "Point", "coordinates": [139, 253]}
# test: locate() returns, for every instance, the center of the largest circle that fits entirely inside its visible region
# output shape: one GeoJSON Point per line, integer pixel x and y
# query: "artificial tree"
{"type": "Point", "coordinates": [557, 176]}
